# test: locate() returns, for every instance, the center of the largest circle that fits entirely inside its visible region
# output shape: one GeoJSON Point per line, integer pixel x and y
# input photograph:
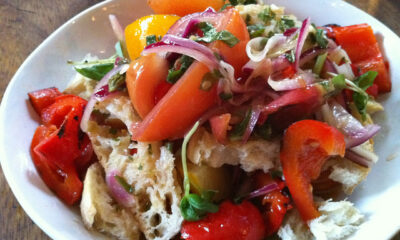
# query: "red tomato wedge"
{"type": "Point", "coordinates": [220, 126]}
{"type": "Point", "coordinates": [185, 102]}
{"type": "Point", "coordinates": [142, 79]}
{"type": "Point", "coordinates": [360, 44]}
{"type": "Point", "coordinates": [238, 222]}
{"type": "Point", "coordinates": [306, 146]}
{"type": "Point", "coordinates": [43, 98]}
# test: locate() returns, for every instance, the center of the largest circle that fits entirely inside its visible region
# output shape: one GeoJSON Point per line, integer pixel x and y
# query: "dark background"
{"type": "Point", "coordinates": [24, 24]}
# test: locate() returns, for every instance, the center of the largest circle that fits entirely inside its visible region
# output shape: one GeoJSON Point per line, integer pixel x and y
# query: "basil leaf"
{"type": "Point", "coordinates": [116, 82]}
{"type": "Point", "coordinates": [320, 37]}
{"type": "Point", "coordinates": [210, 34]}
{"type": "Point", "coordinates": [239, 129]}
{"type": "Point", "coordinates": [151, 39]}
{"type": "Point", "coordinates": [361, 100]}
{"type": "Point", "coordinates": [187, 211]}
{"type": "Point", "coordinates": [366, 80]}
{"type": "Point", "coordinates": [339, 82]}
{"type": "Point", "coordinates": [266, 15]}
{"type": "Point", "coordinates": [290, 56]}
{"type": "Point", "coordinates": [256, 30]}
{"type": "Point", "coordinates": [181, 65]}
{"type": "Point", "coordinates": [95, 72]}
{"type": "Point", "coordinates": [285, 23]}
{"type": "Point", "coordinates": [128, 188]}
{"type": "Point", "coordinates": [227, 38]}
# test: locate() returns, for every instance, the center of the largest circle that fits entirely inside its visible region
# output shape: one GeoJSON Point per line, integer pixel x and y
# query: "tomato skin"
{"type": "Point", "coordinates": [363, 49]}
{"type": "Point", "coordinates": [220, 126]}
{"type": "Point", "coordinates": [43, 98]}
{"type": "Point", "coordinates": [185, 102]}
{"type": "Point", "coordinates": [306, 146]}
{"type": "Point", "coordinates": [143, 77]}
{"type": "Point", "coordinates": [235, 222]}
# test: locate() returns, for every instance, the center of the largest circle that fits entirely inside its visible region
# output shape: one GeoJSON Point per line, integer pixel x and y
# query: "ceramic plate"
{"type": "Point", "coordinates": [89, 32]}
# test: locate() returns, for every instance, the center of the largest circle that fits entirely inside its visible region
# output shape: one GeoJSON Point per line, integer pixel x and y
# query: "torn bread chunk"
{"type": "Point", "coordinates": [253, 155]}
{"type": "Point", "coordinates": [101, 212]}
{"type": "Point", "coordinates": [337, 221]}
{"type": "Point", "coordinates": [148, 167]}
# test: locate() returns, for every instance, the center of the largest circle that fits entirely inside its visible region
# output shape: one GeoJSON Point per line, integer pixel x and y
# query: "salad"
{"type": "Point", "coordinates": [216, 121]}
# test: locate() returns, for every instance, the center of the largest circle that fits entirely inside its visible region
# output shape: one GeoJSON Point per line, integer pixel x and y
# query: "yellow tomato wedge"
{"type": "Point", "coordinates": [136, 32]}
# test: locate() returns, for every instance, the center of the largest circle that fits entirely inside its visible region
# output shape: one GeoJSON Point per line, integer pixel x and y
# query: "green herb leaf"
{"type": "Point", "coordinates": [95, 72]}
{"type": "Point", "coordinates": [267, 15]}
{"type": "Point", "coordinates": [285, 23]}
{"type": "Point", "coordinates": [290, 56]}
{"type": "Point", "coordinates": [151, 39]}
{"type": "Point", "coordinates": [339, 82]}
{"type": "Point", "coordinates": [366, 80]}
{"type": "Point", "coordinates": [170, 146]}
{"type": "Point", "coordinates": [116, 81]}
{"type": "Point", "coordinates": [180, 67]}
{"type": "Point", "coordinates": [128, 188]}
{"type": "Point", "coordinates": [319, 64]}
{"type": "Point", "coordinates": [242, 2]}
{"type": "Point", "coordinates": [225, 6]}
{"type": "Point", "coordinates": [210, 34]}
{"type": "Point", "coordinates": [239, 129]}
{"type": "Point", "coordinates": [320, 37]}
{"type": "Point", "coordinates": [256, 30]}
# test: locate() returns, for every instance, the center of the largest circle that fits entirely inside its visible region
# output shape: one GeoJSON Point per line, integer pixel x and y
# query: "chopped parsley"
{"type": "Point", "coordinates": [267, 15]}
{"type": "Point", "coordinates": [128, 188]}
{"type": "Point", "coordinates": [116, 81]}
{"type": "Point", "coordinates": [320, 37]}
{"type": "Point", "coordinates": [285, 23]}
{"type": "Point", "coordinates": [290, 56]}
{"type": "Point", "coordinates": [256, 30]}
{"type": "Point", "coordinates": [210, 34]}
{"type": "Point", "coordinates": [179, 68]}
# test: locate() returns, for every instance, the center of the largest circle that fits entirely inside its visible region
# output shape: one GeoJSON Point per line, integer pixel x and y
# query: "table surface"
{"type": "Point", "coordinates": [24, 24]}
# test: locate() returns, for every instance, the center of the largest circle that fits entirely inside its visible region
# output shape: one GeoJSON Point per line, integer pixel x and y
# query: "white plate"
{"type": "Point", "coordinates": [378, 197]}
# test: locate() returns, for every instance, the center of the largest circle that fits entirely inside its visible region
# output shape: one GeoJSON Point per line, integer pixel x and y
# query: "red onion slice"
{"type": "Point", "coordinates": [301, 80]}
{"type": "Point", "coordinates": [354, 157]}
{"type": "Point", "coordinates": [301, 40]}
{"type": "Point", "coordinates": [264, 190]}
{"type": "Point", "coordinates": [255, 114]}
{"type": "Point", "coordinates": [174, 44]}
{"type": "Point", "coordinates": [185, 25]}
{"type": "Point", "coordinates": [93, 99]}
{"type": "Point", "coordinates": [310, 55]}
{"type": "Point", "coordinates": [255, 43]}
{"type": "Point", "coordinates": [355, 133]}
{"type": "Point", "coordinates": [118, 191]}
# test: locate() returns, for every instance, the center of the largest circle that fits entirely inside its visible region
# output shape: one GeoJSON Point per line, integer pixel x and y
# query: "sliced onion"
{"type": "Point", "coordinates": [329, 67]}
{"type": "Point", "coordinates": [93, 99]}
{"type": "Point", "coordinates": [184, 26]}
{"type": "Point", "coordinates": [117, 191]}
{"type": "Point", "coordinates": [290, 31]}
{"type": "Point", "coordinates": [255, 43]}
{"type": "Point", "coordinates": [228, 72]}
{"type": "Point", "coordinates": [310, 55]}
{"type": "Point", "coordinates": [338, 54]}
{"type": "Point", "coordinates": [264, 190]}
{"type": "Point", "coordinates": [116, 27]}
{"type": "Point", "coordinates": [262, 70]}
{"type": "Point", "coordinates": [255, 114]}
{"type": "Point", "coordinates": [301, 80]}
{"type": "Point", "coordinates": [354, 157]}
{"type": "Point", "coordinates": [174, 44]}
{"type": "Point", "coordinates": [301, 40]}
{"type": "Point", "coordinates": [345, 69]}
{"type": "Point", "coordinates": [355, 133]}
{"type": "Point", "coordinates": [280, 63]}
{"type": "Point", "coordinates": [368, 155]}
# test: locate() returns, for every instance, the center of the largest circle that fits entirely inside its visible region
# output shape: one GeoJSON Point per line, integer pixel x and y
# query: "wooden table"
{"type": "Point", "coordinates": [24, 24]}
